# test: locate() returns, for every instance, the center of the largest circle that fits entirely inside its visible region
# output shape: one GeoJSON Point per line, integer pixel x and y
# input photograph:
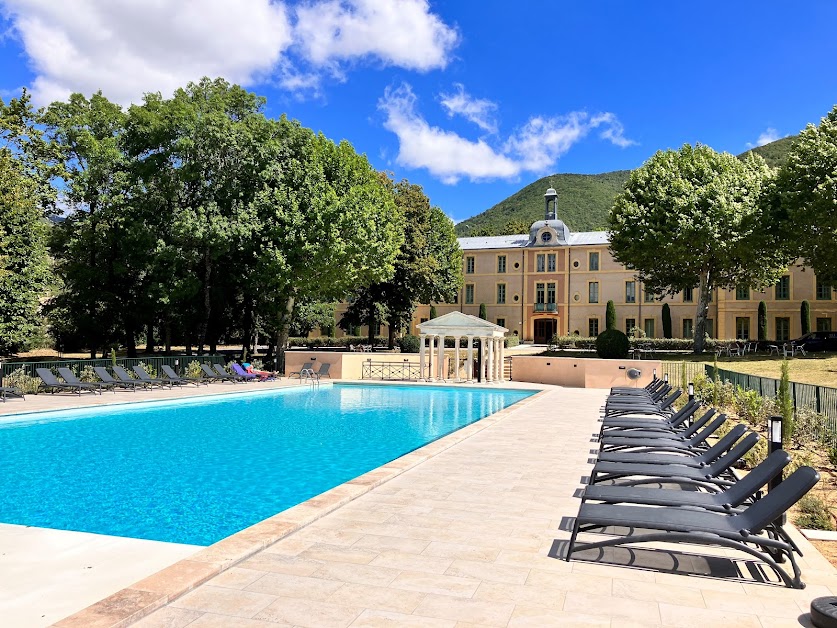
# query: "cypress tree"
{"type": "Point", "coordinates": [806, 317]}
{"type": "Point", "coordinates": [432, 312]}
{"type": "Point", "coordinates": [610, 315]}
{"type": "Point", "coordinates": [762, 321]}
{"type": "Point", "coordinates": [483, 313]}
{"type": "Point", "coordinates": [666, 321]}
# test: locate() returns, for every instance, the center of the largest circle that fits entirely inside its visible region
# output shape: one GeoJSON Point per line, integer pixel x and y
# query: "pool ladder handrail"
{"type": "Point", "coordinates": [310, 376]}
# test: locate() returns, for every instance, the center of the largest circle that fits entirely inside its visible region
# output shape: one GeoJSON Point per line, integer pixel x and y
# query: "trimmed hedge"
{"type": "Point", "coordinates": [612, 344]}
{"type": "Point", "coordinates": [345, 341]}
{"type": "Point", "coordinates": [657, 344]}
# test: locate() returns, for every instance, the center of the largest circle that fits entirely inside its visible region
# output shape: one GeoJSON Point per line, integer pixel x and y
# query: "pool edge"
{"type": "Point", "coordinates": [131, 604]}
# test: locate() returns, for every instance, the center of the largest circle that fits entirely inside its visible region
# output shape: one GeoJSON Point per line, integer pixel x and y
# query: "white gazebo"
{"type": "Point", "coordinates": [458, 325]}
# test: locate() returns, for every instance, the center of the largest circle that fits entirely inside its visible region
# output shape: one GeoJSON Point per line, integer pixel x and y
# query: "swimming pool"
{"type": "Point", "coordinates": [197, 470]}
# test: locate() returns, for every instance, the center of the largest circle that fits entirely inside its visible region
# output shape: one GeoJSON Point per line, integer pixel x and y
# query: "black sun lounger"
{"type": "Point", "coordinates": [174, 378]}
{"type": "Point", "coordinates": [661, 408]}
{"type": "Point", "coordinates": [215, 375]}
{"type": "Point", "coordinates": [50, 382]}
{"type": "Point", "coordinates": [687, 439]}
{"type": "Point", "coordinates": [740, 531]}
{"type": "Point", "coordinates": [223, 373]}
{"type": "Point", "coordinates": [68, 376]}
{"type": "Point", "coordinates": [675, 421]}
{"type": "Point", "coordinates": [106, 377]}
{"type": "Point", "coordinates": [725, 500]}
{"type": "Point", "coordinates": [123, 376]}
{"type": "Point", "coordinates": [10, 391]}
{"type": "Point", "coordinates": [151, 381]}
{"type": "Point", "coordinates": [711, 473]}
{"type": "Point", "coordinates": [650, 389]}
{"type": "Point", "coordinates": [688, 457]}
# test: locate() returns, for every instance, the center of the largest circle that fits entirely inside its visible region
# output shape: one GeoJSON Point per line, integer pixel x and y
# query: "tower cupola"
{"type": "Point", "coordinates": [551, 203]}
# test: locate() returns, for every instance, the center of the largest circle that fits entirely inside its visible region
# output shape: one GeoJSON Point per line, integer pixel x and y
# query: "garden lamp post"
{"type": "Point", "coordinates": [774, 432]}
{"type": "Point", "coordinates": [655, 375]}
{"type": "Point", "coordinates": [691, 391]}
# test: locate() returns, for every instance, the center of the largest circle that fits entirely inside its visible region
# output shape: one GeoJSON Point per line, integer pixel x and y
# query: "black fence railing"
{"type": "Point", "coordinates": [399, 371]}
{"type": "Point", "coordinates": [178, 362]}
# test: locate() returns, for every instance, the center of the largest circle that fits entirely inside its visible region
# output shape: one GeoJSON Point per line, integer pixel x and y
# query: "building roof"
{"type": "Point", "coordinates": [461, 324]}
{"type": "Point", "coordinates": [522, 241]}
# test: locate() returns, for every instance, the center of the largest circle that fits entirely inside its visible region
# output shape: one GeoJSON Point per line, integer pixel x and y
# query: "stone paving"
{"type": "Point", "coordinates": [470, 537]}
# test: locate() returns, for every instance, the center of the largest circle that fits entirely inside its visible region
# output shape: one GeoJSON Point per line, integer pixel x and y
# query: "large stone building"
{"type": "Point", "coordinates": [552, 280]}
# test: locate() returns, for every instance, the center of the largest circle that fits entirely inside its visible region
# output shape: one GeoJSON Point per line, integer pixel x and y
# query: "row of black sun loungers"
{"type": "Point", "coordinates": [657, 475]}
{"type": "Point", "coordinates": [119, 378]}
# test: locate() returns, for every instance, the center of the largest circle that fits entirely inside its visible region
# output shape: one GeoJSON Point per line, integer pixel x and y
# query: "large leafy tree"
{"type": "Point", "coordinates": [24, 269]}
{"type": "Point", "coordinates": [806, 196]}
{"type": "Point", "coordinates": [692, 217]}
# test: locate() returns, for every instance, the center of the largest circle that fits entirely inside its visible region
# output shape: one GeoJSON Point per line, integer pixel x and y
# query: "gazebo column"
{"type": "Point", "coordinates": [440, 366]}
{"type": "Point", "coordinates": [489, 367]}
{"type": "Point", "coordinates": [456, 340]}
{"type": "Point", "coordinates": [501, 362]}
{"type": "Point", "coordinates": [469, 364]}
{"type": "Point", "coordinates": [422, 356]}
{"type": "Point", "coordinates": [431, 347]}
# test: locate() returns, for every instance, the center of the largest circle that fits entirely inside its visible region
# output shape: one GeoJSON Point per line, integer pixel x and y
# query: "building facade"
{"type": "Point", "coordinates": [553, 281]}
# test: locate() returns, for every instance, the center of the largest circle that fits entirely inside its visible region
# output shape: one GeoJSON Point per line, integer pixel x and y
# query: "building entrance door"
{"type": "Point", "coordinates": [545, 329]}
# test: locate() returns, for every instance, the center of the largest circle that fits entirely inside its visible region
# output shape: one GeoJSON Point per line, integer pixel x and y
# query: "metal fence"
{"type": "Point", "coordinates": [401, 371]}
{"type": "Point", "coordinates": [175, 361]}
{"type": "Point", "coordinates": [818, 398]}
{"type": "Point", "coordinates": [675, 370]}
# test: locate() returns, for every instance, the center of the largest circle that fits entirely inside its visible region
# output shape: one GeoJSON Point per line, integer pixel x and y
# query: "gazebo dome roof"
{"type": "Point", "coordinates": [460, 324]}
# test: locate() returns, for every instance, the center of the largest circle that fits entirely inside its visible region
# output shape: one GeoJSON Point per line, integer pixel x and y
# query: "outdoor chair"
{"type": "Point", "coordinates": [614, 408]}
{"type": "Point", "coordinates": [698, 458]}
{"type": "Point", "coordinates": [744, 490]}
{"type": "Point", "coordinates": [124, 377]}
{"type": "Point", "coordinates": [753, 526]}
{"type": "Point", "coordinates": [771, 349]}
{"type": "Point", "coordinates": [68, 376]}
{"type": "Point", "coordinates": [106, 377]}
{"type": "Point", "coordinates": [151, 381]}
{"type": "Point", "coordinates": [10, 390]}
{"type": "Point", "coordinates": [51, 382]}
{"type": "Point", "coordinates": [222, 373]}
{"type": "Point", "coordinates": [323, 372]}
{"type": "Point", "coordinates": [691, 438]}
{"type": "Point", "coordinates": [663, 423]}
{"type": "Point", "coordinates": [717, 472]}
{"type": "Point", "coordinates": [645, 391]}
{"type": "Point", "coordinates": [174, 378]}
{"type": "Point", "coordinates": [239, 370]}
{"type": "Point", "coordinates": [216, 376]}
{"type": "Point", "coordinates": [306, 368]}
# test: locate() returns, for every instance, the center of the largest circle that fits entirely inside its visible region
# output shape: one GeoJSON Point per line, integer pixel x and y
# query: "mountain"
{"type": "Point", "coordinates": [584, 200]}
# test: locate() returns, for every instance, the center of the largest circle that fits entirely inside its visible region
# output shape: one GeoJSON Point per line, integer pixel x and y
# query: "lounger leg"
{"type": "Point", "coordinates": [572, 539]}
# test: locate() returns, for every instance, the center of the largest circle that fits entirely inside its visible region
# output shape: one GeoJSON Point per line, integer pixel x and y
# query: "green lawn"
{"type": "Point", "coordinates": [816, 368]}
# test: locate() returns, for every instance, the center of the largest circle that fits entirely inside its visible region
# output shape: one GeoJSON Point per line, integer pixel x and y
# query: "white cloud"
{"type": "Point", "coordinates": [477, 110]}
{"type": "Point", "coordinates": [767, 136]}
{"type": "Point", "coordinates": [126, 47]}
{"type": "Point", "coordinates": [402, 33]}
{"type": "Point", "coordinates": [448, 156]}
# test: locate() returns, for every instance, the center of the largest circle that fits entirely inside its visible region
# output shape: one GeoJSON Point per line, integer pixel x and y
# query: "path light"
{"type": "Point", "coordinates": [665, 377]}
{"type": "Point", "coordinates": [774, 432]}
{"type": "Point", "coordinates": [691, 391]}
{"type": "Point", "coordinates": [655, 374]}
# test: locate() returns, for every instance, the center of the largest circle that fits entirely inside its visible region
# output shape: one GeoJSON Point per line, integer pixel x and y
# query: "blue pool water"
{"type": "Point", "coordinates": [196, 471]}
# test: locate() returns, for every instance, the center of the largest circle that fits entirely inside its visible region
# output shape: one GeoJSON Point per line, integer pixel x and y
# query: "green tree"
{"type": "Point", "coordinates": [483, 313]}
{"type": "Point", "coordinates": [806, 194]}
{"type": "Point", "coordinates": [433, 312]}
{"type": "Point", "coordinates": [692, 216]}
{"type": "Point", "coordinates": [24, 269]}
{"type": "Point", "coordinates": [666, 314]}
{"type": "Point", "coordinates": [610, 315]}
{"type": "Point", "coordinates": [762, 321]}
{"type": "Point", "coordinates": [307, 316]}
{"type": "Point", "coordinates": [805, 312]}
{"type": "Point", "coordinates": [785, 402]}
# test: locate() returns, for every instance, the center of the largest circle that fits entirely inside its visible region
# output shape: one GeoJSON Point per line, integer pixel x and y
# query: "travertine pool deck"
{"type": "Point", "coordinates": [462, 532]}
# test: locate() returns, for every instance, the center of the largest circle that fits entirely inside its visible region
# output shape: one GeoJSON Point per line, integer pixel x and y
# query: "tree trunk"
{"type": "Point", "coordinates": [371, 322]}
{"type": "Point", "coordinates": [207, 301]}
{"type": "Point", "coordinates": [93, 353]}
{"type": "Point", "coordinates": [704, 290]}
{"type": "Point", "coordinates": [391, 325]}
{"type": "Point", "coordinates": [167, 334]}
{"type": "Point", "coordinates": [150, 341]}
{"type": "Point", "coordinates": [130, 339]}
{"type": "Point", "coordinates": [282, 334]}
{"type": "Point", "coordinates": [213, 347]}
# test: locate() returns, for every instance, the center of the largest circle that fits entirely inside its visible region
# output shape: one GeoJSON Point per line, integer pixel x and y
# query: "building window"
{"type": "Point", "coordinates": [541, 262]}
{"type": "Point", "coordinates": [782, 328]}
{"type": "Point", "coordinates": [648, 327]}
{"type": "Point", "coordinates": [501, 293]}
{"type": "Point", "coordinates": [550, 293]}
{"type": "Point", "coordinates": [540, 293]}
{"type": "Point", "coordinates": [593, 292]}
{"type": "Point", "coordinates": [688, 328]}
{"type": "Point", "coordinates": [594, 261]}
{"type": "Point", "coordinates": [469, 293]}
{"type": "Point", "coordinates": [593, 327]}
{"type": "Point", "coordinates": [823, 291]}
{"type": "Point", "coordinates": [689, 295]}
{"type": "Point", "coordinates": [742, 293]}
{"type": "Point", "coordinates": [501, 322]}
{"type": "Point", "coordinates": [742, 327]}
{"type": "Point", "coordinates": [550, 263]}
{"type": "Point", "coordinates": [630, 325]}
{"type": "Point", "coordinates": [649, 296]}
{"type": "Point", "coordinates": [709, 330]}
{"type": "Point", "coordinates": [783, 289]}
{"type": "Point", "coordinates": [630, 292]}
{"type": "Point", "coordinates": [823, 324]}
{"type": "Point", "coordinates": [469, 265]}
{"type": "Point", "coordinates": [501, 263]}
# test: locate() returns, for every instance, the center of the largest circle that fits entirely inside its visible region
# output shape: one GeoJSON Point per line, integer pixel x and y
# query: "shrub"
{"type": "Point", "coordinates": [762, 321]}
{"type": "Point", "coordinates": [152, 371]}
{"type": "Point", "coordinates": [612, 344]}
{"type": "Point", "coordinates": [814, 514]}
{"type": "Point", "coordinates": [749, 406]}
{"type": "Point", "coordinates": [24, 382]}
{"type": "Point", "coordinates": [666, 314]}
{"type": "Point", "coordinates": [805, 312]}
{"type": "Point", "coordinates": [193, 369]}
{"type": "Point", "coordinates": [784, 401]}
{"type": "Point", "coordinates": [483, 313]}
{"type": "Point", "coordinates": [610, 315]}
{"type": "Point", "coordinates": [409, 344]}
{"type": "Point", "coordinates": [512, 341]}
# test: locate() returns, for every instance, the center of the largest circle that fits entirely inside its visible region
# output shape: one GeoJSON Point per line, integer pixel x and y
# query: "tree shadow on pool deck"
{"type": "Point", "coordinates": [660, 560]}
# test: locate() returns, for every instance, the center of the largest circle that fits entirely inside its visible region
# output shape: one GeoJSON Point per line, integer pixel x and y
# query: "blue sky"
{"type": "Point", "coordinates": [472, 100]}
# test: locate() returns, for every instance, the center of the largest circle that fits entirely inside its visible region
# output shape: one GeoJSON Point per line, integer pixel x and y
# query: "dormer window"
{"type": "Point", "coordinates": [546, 236]}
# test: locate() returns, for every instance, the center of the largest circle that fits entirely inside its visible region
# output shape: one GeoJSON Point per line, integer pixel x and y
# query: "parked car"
{"type": "Point", "coordinates": [818, 341]}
